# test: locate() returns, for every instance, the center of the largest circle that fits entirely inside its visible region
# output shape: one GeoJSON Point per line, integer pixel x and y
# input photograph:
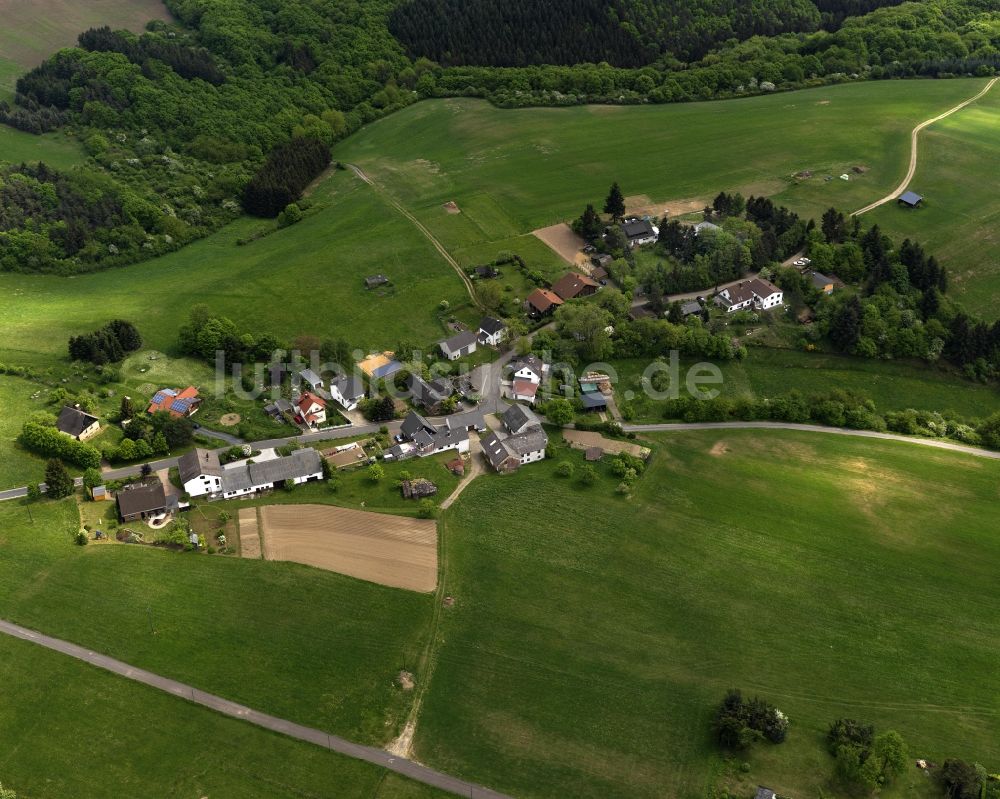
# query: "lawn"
{"type": "Point", "coordinates": [33, 30]}
{"type": "Point", "coordinates": [298, 642]}
{"type": "Point", "coordinates": [73, 730]}
{"type": "Point", "coordinates": [58, 150]}
{"type": "Point", "coordinates": [511, 171]}
{"type": "Point", "coordinates": [960, 218]}
{"type": "Point", "coordinates": [592, 635]}
{"type": "Point", "coordinates": [770, 372]}
{"type": "Point", "coordinates": [306, 279]}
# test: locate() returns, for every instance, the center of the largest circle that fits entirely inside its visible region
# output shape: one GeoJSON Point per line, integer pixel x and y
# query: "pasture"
{"type": "Point", "coordinates": [305, 279]}
{"type": "Point", "coordinates": [33, 30]}
{"type": "Point", "coordinates": [300, 643]}
{"type": "Point", "coordinates": [960, 218]}
{"type": "Point", "coordinates": [592, 635]}
{"type": "Point", "coordinates": [76, 731]}
{"type": "Point", "coordinates": [512, 171]}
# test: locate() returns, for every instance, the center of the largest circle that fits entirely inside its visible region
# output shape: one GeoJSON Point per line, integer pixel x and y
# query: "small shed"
{"type": "Point", "coordinates": [374, 281]}
{"type": "Point", "coordinates": [100, 494]}
{"type": "Point", "coordinates": [592, 454]}
{"type": "Point", "coordinates": [594, 402]}
{"type": "Point", "coordinates": [418, 488]}
{"type": "Point", "coordinates": [910, 199]}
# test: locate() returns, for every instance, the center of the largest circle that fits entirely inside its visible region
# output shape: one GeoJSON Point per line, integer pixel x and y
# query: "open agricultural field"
{"type": "Point", "coordinates": [33, 29]}
{"type": "Point", "coordinates": [892, 386]}
{"type": "Point", "coordinates": [308, 278]}
{"type": "Point", "coordinates": [593, 635]}
{"type": "Point", "coordinates": [308, 645]}
{"type": "Point", "coordinates": [960, 218]}
{"type": "Point", "coordinates": [75, 731]}
{"type": "Point", "coordinates": [378, 547]}
{"type": "Point", "coordinates": [512, 171]}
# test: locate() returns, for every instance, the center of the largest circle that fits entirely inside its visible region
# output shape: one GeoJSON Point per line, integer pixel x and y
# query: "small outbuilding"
{"type": "Point", "coordinates": [910, 199]}
{"type": "Point", "coordinates": [374, 281]}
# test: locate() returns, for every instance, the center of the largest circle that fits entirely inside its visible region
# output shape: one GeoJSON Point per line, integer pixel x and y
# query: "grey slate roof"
{"type": "Point", "coordinates": [495, 451]}
{"type": "Point", "coordinates": [73, 421]}
{"type": "Point", "coordinates": [413, 424]}
{"type": "Point", "coordinates": [533, 362]}
{"type": "Point", "coordinates": [301, 463]}
{"type": "Point", "coordinates": [764, 793]}
{"type": "Point", "coordinates": [459, 341]}
{"type": "Point", "coordinates": [310, 377]}
{"type": "Point", "coordinates": [517, 418]}
{"type": "Point", "coordinates": [910, 197]}
{"type": "Point", "coordinates": [350, 386]}
{"type": "Point", "coordinates": [142, 498]}
{"type": "Point", "coordinates": [533, 439]}
{"type": "Point", "coordinates": [428, 394]}
{"type": "Point", "coordinates": [593, 401]}
{"type": "Point", "coordinates": [491, 326]}
{"type": "Point", "coordinates": [638, 229]}
{"type": "Point", "coordinates": [820, 280]}
{"type": "Point", "coordinates": [691, 307]}
{"type": "Point", "coordinates": [198, 462]}
{"type": "Point", "coordinates": [705, 226]}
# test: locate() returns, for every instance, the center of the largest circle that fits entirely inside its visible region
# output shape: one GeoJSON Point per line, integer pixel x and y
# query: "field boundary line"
{"type": "Point", "coordinates": [422, 228]}
{"type": "Point", "coordinates": [226, 707]}
{"type": "Point", "coordinates": [914, 134]}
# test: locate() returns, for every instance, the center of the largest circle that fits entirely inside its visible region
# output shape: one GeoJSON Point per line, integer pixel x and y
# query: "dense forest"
{"type": "Point", "coordinates": [176, 122]}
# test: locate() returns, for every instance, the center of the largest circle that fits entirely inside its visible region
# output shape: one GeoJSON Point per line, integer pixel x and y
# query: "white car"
{"type": "Point", "coordinates": [800, 262]}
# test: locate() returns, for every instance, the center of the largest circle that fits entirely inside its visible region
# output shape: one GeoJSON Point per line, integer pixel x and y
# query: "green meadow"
{"type": "Point", "coordinates": [592, 635]}
{"type": "Point", "coordinates": [304, 279]}
{"type": "Point", "coordinates": [960, 218]}
{"type": "Point", "coordinates": [300, 643]}
{"type": "Point", "coordinates": [72, 730]}
{"type": "Point", "coordinates": [511, 171]}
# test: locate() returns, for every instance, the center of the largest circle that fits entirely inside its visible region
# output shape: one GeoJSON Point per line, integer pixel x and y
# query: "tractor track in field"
{"type": "Point", "coordinates": [914, 134]}
{"type": "Point", "coordinates": [422, 228]}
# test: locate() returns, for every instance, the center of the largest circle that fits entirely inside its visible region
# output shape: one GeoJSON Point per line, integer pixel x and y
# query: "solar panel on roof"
{"type": "Point", "coordinates": [181, 405]}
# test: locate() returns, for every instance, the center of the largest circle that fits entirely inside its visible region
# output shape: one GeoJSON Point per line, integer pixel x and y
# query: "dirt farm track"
{"type": "Point", "coordinates": [391, 550]}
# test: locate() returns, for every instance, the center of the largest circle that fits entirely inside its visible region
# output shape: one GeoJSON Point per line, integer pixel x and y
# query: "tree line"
{"type": "Point", "coordinates": [284, 175]}
{"type": "Point", "coordinates": [108, 344]}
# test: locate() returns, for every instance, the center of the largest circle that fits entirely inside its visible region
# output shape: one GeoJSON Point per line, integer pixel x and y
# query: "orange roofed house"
{"type": "Point", "coordinates": [311, 409]}
{"type": "Point", "coordinates": [542, 301]}
{"type": "Point", "coordinates": [177, 403]}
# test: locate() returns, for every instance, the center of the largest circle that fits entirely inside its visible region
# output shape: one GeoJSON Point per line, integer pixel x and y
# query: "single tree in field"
{"type": "Point", "coordinates": [59, 483]}
{"type": "Point", "coordinates": [375, 472]}
{"type": "Point", "coordinates": [887, 760]}
{"type": "Point", "coordinates": [615, 204]}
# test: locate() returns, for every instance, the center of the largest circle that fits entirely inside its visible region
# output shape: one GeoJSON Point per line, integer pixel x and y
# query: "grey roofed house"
{"type": "Point", "coordinates": [140, 500]}
{"type": "Point", "coordinates": [910, 198]}
{"type": "Point", "coordinates": [518, 418]}
{"type": "Point", "coordinates": [491, 326]}
{"type": "Point", "coordinates": [497, 453]}
{"type": "Point", "coordinates": [413, 424]}
{"type": "Point", "coordinates": [764, 793]}
{"type": "Point", "coordinates": [429, 394]}
{"type": "Point", "coordinates": [301, 463]}
{"type": "Point", "coordinates": [532, 362]}
{"type": "Point", "coordinates": [737, 296]}
{"type": "Point", "coordinates": [198, 462]}
{"type": "Point", "coordinates": [376, 280]}
{"type": "Point", "coordinates": [692, 307]}
{"type": "Point", "coordinates": [351, 387]}
{"type": "Point", "coordinates": [470, 420]}
{"type": "Point", "coordinates": [458, 342]}
{"type": "Point", "coordinates": [638, 229]}
{"type": "Point", "coordinates": [73, 421]}
{"type": "Point", "coordinates": [533, 439]}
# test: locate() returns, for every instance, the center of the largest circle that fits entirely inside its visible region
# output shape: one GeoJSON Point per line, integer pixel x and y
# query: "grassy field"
{"type": "Point", "coordinates": [103, 736]}
{"type": "Point", "coordinates": [511, 171]}
{"type": "Point", "coordinates": [34, 29]}
{"type": "Point", "coordinates": [298, 642]}
{"type": "Point", "coordinates": [592, 635]}
{"type": "Point", "coordinates": [770, 372]}
{"type": "Point", "coordinates": [960, 220]}
{"type": "Point", "coordinates": [308, 278]}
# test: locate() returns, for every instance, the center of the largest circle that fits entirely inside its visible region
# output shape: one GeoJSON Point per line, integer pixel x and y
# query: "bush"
{"type": "Point", "coordinates": [81, 538]}
{"type": "Point", "coordinates": [375, 472]}
{"type": "Point", "coordinates": [565, 469]}
{"type": "Point", "coordinates": [50, 442]}
{"type": "Point", "coordinates": [588, 475]}
{"type": "Point", "coordinates": [427, 509]}
{"type": "Point", "coordinates": [738, 722]}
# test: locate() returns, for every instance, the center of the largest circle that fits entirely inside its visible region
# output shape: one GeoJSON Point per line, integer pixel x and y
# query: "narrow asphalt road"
{"type": "Point", "coordinates": [913, 151]}
{"type": "Point", "coordinates": [377, 757]}
{"type": "Point", "coordinates": [811, 428]}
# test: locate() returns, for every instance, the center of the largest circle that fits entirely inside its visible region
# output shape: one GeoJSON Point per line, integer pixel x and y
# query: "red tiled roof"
{"type": "Point", "coordinates": [543, 299]}
{"type": "Point", "coordinates": [525, 388]}
{"type": "Point", "coordinates": [572, 284]}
